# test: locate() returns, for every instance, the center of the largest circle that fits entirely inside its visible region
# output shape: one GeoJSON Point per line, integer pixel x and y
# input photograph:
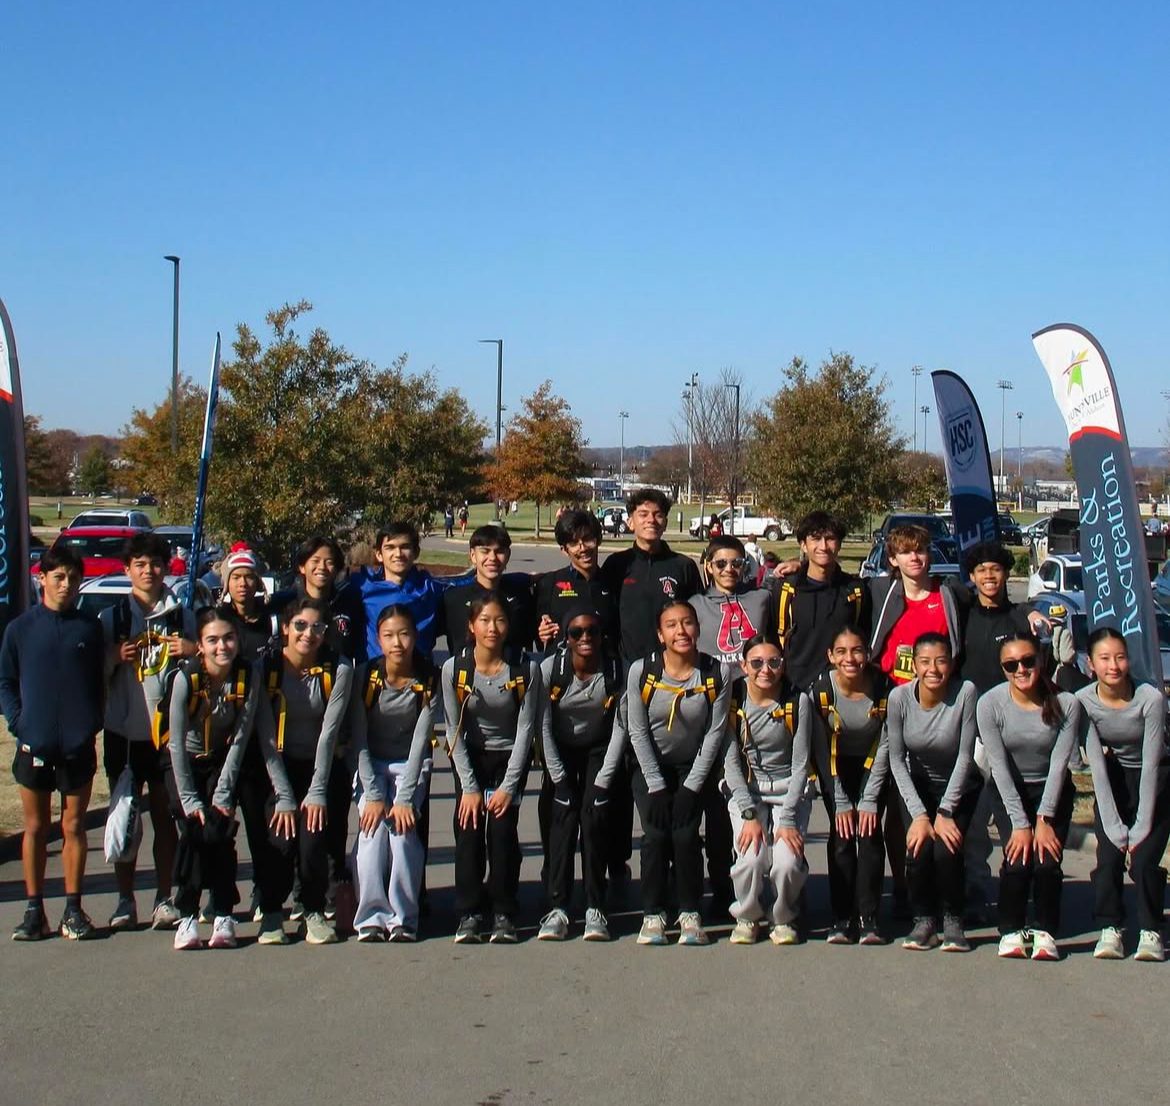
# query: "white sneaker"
{"type": "Point", "coordinates": [1110, 945]}
{"type": "Point", "coordinates": [554, 926]}
{"type": "Point", "coordinates": [318, 931]}
{"type": "Point", "coordinates": [125, 915]}
{"type": "Point", "coordinates": [744, 933]}
{"type": "Point", "coordinates": [223, 933]}
{"type": "Point", "coordinates": [165, 915]}
{"type": "Point", "coordinates": [1014, 946]}
{"type": "Point", "coordinates": [596, 925]}
{"type": "Point", "coordinates": [653, 931]}
{"type": "Point", "coordinates": [1044, 946]}
{"type": "Point", "coordinates": [690, 929]}
{"type": "Point", "coordinates": [784, 934]}
{"type": "Point", "coordinates": [187, 935]}
{"type": "Point", "coordinates": [1150, 946]}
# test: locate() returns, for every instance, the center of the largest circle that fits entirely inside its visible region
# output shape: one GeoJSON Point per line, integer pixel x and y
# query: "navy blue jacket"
{"type": "Point", "coordinates": [52, 681]}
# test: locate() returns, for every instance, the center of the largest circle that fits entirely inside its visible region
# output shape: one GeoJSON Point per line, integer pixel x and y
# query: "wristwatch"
{"type": "Point", "coordinates": [946, 812]}
{"type": "Point", "coordinates": [748, 815]}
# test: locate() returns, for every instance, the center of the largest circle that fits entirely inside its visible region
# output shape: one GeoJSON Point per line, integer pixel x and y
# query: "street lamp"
{"type": "Point", "coordinates": [1020, 457]}
{"type": "Point", "coordinates": [1004, 387]}
{"type": "Point", "coordinates": [174, 359]}
{"type": "Point", "coordinates": [916, 372]}
{"type": "Point", "coordinates": [622, 416]}
{"type": "Point", "coordinates": [925, 409]}
{"type": "Point", "coordinates": [499, 344]}
{"type": "Point", "coordinates": [689, 396]}
{"type": "Point", "coordinates": [734, 463]}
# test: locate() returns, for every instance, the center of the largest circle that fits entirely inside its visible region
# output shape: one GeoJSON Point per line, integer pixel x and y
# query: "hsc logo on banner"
{"type": "Point", "coordinates": [961, 438]}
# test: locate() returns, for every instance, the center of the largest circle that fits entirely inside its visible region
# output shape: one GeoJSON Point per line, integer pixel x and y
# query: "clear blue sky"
{"type": "Point", "coordinates": [623, 192]}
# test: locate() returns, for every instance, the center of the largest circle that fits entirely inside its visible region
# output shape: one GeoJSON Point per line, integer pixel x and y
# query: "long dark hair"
{"type": "Point", "coordinates": [1050, 709]}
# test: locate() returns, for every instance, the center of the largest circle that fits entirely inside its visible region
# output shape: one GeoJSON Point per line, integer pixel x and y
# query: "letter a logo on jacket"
{"type": "Point", "coordinates": [734, 627]}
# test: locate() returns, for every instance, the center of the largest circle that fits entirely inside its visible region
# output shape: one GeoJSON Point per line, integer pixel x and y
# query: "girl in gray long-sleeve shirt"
{"type": "Point", "coordinates": [676, 704]}
{"type": "Point", "coordinates": [303, 706]}
{"type": "Point", "coordinates": [492, 711]}
{"type": "Point", "coordinates": [213, 704]}
{"type": "Point", "coordinates": [930, 726]}
{"type": "Point", "coordinates": [391, 722]}
{"type": "Point", "coordinates": [1125, 745]}
{"type": "Point", "coordinates": [765, 771]}
{"type": "Point", "coordinates": [1029, 730]}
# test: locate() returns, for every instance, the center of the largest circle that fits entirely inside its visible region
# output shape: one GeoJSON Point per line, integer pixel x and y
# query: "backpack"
{"type": "Point", "coordinates": [235, 691]}
{"type": "Point", "coordinates": [784, 608]}
{"type": "Point", "coordinates": [710, 671]}
{"type": "Point", "coordinates": [274, 674]}
{"type": "Point", "coordinates": [561, 678]}
{"type": "Point", "coordinates": [824, 694]}
{"type": "Point", "coordinates": [787, 707]}
{"type": "Point", "coordinates": [464, 674]}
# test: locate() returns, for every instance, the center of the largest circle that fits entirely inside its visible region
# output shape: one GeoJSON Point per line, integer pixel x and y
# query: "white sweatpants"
{"type": "Point", "coordinates": [388, 866]}
{"type": "Point", "coordinates": [768, 883]}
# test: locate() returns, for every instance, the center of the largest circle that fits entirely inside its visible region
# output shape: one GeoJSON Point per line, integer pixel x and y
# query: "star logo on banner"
{"type": "Point", "coordinates": [1075, 371]}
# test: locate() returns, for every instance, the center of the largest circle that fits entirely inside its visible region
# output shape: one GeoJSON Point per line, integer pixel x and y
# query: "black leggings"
{"type": "Point", "coordinates": [306, 853]}
{"type": "Point", "coordinates": [661, 848]}
{"type": "Point", "coordinates": [937, 877]}
{"type": "Point", "coordinates": [205, 856]}
{"type": "Point", "coordinates": [1043, 878]}
{"type": "Point", "coordinates": [856, 864]}
{"type": "Point", "coordinates": [577, 821]}
{"type": "Point", "coordinates": [491, 849]}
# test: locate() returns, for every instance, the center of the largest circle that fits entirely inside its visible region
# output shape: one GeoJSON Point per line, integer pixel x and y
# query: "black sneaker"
{"type": "Point", "coordinates": [76, 926]}
{"type": "Point", "coordinates": [840, 933]}
{"type": "Point", "coordinates": [503, 930]}
{"type": "Point", "coordinates": [868, 932]}
{"type": "Point", "coordinates": [468, 931]}
{"type": "Point", "coordinates": [953, 937]}
{"type": "Point", "coordinates": [923, 936]}
{"type": "Point", "coordinates": [35, 926]}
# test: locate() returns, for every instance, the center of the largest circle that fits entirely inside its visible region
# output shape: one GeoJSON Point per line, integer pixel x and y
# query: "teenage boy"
{"type": "Point", "coordinates": [818, 600]}
{"type": "Point", "coordinates": [578, 533]}
{"type": "Point", "coordinates": [52, 687]}
{"type": "Point", "coordinates": [489, 549]}
{"type": "Point", "coordinates": [731, 611]}
{"type": "Point", "coordinates": [148, 634]}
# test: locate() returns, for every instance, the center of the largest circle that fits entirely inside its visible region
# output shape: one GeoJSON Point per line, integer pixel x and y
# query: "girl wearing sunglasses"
{"type": "Point", "coordinates": [391, 721]}
{"type": "Point", "coordinates": [765, 771]}
{"type": "Point", "coordinates": [304, 701]}
{"type": "Point", "coordinates": [580, 690]}
{"type": "Point", "coordinates": [1125, 744]}
{"type": "Point", "coordinates": [850, 699]}
{"type": "Point", "coordinates": [1029, 730]}
{"type": "Point", "coordinates": [930, 726]}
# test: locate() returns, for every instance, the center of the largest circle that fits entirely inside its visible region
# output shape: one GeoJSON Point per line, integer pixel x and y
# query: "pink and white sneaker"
{"type": "Point", "coordinates": [187, 935]}
{"type": "Point", "coordinates": [223, 933]}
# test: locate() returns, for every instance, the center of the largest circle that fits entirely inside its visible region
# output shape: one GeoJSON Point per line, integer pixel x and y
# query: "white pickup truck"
{"type": "Point", "coordinates": [747, 525]}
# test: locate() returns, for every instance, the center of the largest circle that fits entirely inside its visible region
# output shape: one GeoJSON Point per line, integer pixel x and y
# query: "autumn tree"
{"type": "Point", "coordinates": [94, 476]}
{"type": "Point", "coordinates": [48, 468]}
{"type": "Point", "coordinates": [540, 457]}
{"type": "Point", "coordinates": [826, 440]}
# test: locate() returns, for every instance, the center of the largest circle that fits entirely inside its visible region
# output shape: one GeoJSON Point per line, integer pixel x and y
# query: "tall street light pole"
{"type": "Point", "coordinates": [916, 372]}
{"type": "Point", "coordinates": [1020, 457]}
{"type": "Point", "coordinates": [690, 385]}
{"type": "Point", "coordinates": [622, 416]}
{"type": "Point", "coordinates": [925, 409]}
{"type": "Point", "coordinates": [174, 359]}
{"type": "Point", "coordinates": [734, 463]}
{"type": "Point", "coordinates": [499, 344]}
{"type": "Point", "coordinates": [1004, 387]}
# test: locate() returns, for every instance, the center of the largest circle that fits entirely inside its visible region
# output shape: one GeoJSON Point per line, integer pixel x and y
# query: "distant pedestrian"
{"type": "Point", "coordinates": [449, 520]}
{"type": "Point", "coordinates": [463, 516]}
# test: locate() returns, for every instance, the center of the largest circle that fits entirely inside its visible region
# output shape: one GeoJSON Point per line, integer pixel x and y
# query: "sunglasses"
{"type": "Point", "coordinates": [1028, 663]}
{"type": "Point", "coordinates": [302, 626]}
{"type": "Point", "coordinates": [773, 664]}
{"type": "Point", "coordinates": [578, 632]}
{"type": "Point", "coordinates": [736, 562]}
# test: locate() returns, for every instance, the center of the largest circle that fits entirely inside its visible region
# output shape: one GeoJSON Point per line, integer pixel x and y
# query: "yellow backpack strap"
{"type": "Point", "coordinates": [711, 689]}
{"type": "Point", "coordinates": [373, 685]}
{"type": "Point", "coordinates": [825, 705]}
{"type": "Point", "coordinates": [783, 629]}
{"type": "Point", "coordinates": [790, 716]}
{"type": "Point", "coordinates": [327, 680]}
{"type": "Point", "coordinates": [855, 601]}
{"type": "Point", "coordinates": [649, 683]}
{"type": "Point", "coordinates": [278, 701]}
{"type": "Point", "coordinates": [518, 685]}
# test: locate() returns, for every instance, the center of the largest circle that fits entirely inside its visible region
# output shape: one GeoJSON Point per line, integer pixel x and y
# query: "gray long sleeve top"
{"type": "Point", "coordinates": [619, 741]}
{"type": "Point", "coordinates": [937, 745]}
{"type": "Point", "coordinates": [311, 726]}
{"type": "Point", "coordinates": [230, 726]}
{"type": "Point", "coordinates": [856, 726]}
{"type": "Point", "coordinates": [1135, 734]}
{"type": "Point", "coordinates": [686, 732]}
{"type": "Point", "coordinates": [775, 758]}
{"type": "Point", "coordinates": [489, 720]}
{"type": "Point", "coordinates": [392, 728]}
{"type": "Point", "coordinates": [577, 720]}
{"type": "Point", "coordinates": [1022, 747]}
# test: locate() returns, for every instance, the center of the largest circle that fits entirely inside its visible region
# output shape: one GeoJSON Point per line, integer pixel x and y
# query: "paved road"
{"type": "Point", "coordinates": [127, 1017]}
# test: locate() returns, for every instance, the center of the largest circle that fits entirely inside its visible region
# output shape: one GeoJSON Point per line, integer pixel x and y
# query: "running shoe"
{"type": "Point", "coordinates": [318, 931]}
{"type": "Point", "coordinates": [503, 930]}
{"type": "Point", "coordinates": [784, 934]}
{"type": "Point", "coordinates": [297, 912]}
{"type": "Point", "coordinates": [468, 931]}
{"type": "Point", "coordinates": [125, 915]}
{"type": "Point", "coordinates": [868, 932]}
{"type": "Point", "coordinates": [187, 935]}
{"type": "Point", "coordinates": [254, 910]}
{"type": "Point", "coordinates": [596, 925]}
{"type": "Point", "coordinates": [206, 915]}
{"type": "Point", "coordinates": [554, 926]}
{"type": "Point", "coordinates": [1014, 945]}
{"type": "Point", "coordinates": [272, 930]}
{"type": "Point", "coordinates": [1044, 946]}
{"type": "Point", "coordinates": [1149, 946]}
{"type": "Point", "coordinates": [840, 933]}
{"type": "Point", "coordinates": [953, 937]}
{"type": "Point", "coordinates": [653, 931]}
{"type": "Point", "coordinates": [34, 927]}
{"type": "Point", "coordinates": [223, 933]}
{"type": "Point", "coordinates": [76, 926]}
{"type": "Point", "coordinates": [1110, 945]}
{"type": "Point", "coordinates": [923, 936]}
{"type": "Point", "coordinates": [400, 935]}
{"type": "Point", "coordinates": [165, 915]}
{"type": "Point", "coordinates": [371, 935]}
{"type": "Point", "coordinates": [690, 929]}
{"type": "Point", "coordinates": [745, 932]}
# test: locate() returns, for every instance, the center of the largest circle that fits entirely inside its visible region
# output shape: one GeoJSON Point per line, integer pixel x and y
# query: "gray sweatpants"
{"type": "Point", "coordinates": [388, 866]}
{"type": "Point", "coordinates": [768, 883]}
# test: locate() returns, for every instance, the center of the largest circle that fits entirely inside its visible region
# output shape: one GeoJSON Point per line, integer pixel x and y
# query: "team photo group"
{"type": "Point", "coordinates": [699, 708]}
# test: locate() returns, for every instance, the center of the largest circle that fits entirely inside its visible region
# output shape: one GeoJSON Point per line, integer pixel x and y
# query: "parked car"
{"type": "Point", "coordinates": [944, 559]}
{"type": "Point", "coordinates": [938, 526]}
{"type": "Point", "coordinates": [747, 524]}
{"type": "Point", "coordinates": [146, 500]}
{"type": "Point", "coordinates": [1036, 531]}
{"type": "Point", "coordinates": [1009, 530]}
{"type": "Point", "coordinates": [614, 520]}
{"type": "Point", "coordinates": [1057, 572]}
{"type": "Point", "coordinates": [1162, 584]}
{"type": "Point", "coordinates": [98, 594]}
{"type": "Point", "coordinates": [112, 516]}
{"type": "Point", "coordinates": [100, 546]}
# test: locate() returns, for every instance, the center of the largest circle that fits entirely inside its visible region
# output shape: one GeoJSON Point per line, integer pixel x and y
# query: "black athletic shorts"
{"type": "Point", "coordinates": [47, 774]}
{"type": "Point", "coordinates": [146, 762]}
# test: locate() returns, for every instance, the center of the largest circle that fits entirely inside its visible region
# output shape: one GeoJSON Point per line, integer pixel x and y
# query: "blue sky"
{"type": "Point", "coordinates": [624, 192]}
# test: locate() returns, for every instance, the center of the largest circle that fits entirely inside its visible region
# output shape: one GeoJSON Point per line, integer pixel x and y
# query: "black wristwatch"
{"type": "Point", "coordinates": [946, 812]}
{"type": "Point", "coordinates": [748, 815]}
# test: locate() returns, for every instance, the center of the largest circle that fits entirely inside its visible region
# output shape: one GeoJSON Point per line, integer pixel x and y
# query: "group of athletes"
{"type": "Point", "coordinates": [715, 700]}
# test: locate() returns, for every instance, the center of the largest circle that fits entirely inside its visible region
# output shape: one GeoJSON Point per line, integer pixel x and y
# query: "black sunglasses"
{"type": "Point", "coordinates": [578, 632]}
{"type": "Point", "coordinates": [1028, 662]}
